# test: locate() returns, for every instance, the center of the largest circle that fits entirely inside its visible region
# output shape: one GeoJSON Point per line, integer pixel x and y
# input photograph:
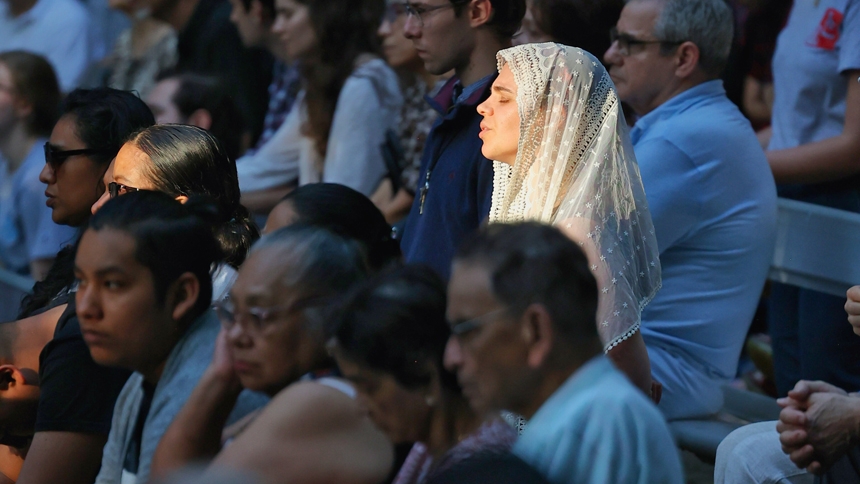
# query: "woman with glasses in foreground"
{"type": "Point", "coordinates": [273, 341]}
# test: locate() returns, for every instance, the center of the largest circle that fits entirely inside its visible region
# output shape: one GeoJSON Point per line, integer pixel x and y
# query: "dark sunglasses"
{"type": "Point", "coordinates": [55, 158]}
{"type": "Point", "coordinates": [116, 189]}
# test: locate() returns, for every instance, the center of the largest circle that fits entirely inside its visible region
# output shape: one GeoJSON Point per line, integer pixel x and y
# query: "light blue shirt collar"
{"type": "Point", "coordinates": [675, 105]}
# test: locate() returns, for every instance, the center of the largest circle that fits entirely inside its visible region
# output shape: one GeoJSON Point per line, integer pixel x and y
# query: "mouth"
{"type": "Point", "coordinates": [94, 338]}
{"type": "Point", "coordinates": [243, 366]}
{"type": "Point", "coordinates": [50, 199]}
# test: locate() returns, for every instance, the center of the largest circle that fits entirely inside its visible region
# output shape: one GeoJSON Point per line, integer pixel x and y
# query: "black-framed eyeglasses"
{"type": "Point", "coordinates": [116, 189]}
{"type": "Point", "coordinates": [419, 11]}
{"type": "Point", "coordinates": [256, 319]}
{"type": "Point", "coordinates": [461, 328]}
{"type": "Point", "coordinates": [626, 41]}
{"type": "Point", "coordinates": [55, 158]}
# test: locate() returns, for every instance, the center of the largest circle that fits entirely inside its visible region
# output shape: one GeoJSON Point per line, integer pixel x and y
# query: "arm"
{"type": "Point", "coordinates": [67, 457]}
{"type": "Point", "coordinates": [195, 433]}
{"type": "Point", "coordinates": [311, 433]}
{"type": "Point", "coordinates": [631, 357]}
{"type": "Point", "coordinates": [825, 160]}
{"type": "Point", "coordinates": [755, 101]}
{"type": "Point", "coordinates": [852, 307]}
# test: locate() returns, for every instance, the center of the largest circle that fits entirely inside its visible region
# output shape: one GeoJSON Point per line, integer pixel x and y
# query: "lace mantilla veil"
{"type": "Point", "coordinates": [575, 169]}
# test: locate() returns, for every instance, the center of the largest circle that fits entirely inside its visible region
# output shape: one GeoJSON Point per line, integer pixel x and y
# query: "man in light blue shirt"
{"type": "Point", "coordinates": [709, 189]}
{"type": "Point", "coordinates": [523, 302]}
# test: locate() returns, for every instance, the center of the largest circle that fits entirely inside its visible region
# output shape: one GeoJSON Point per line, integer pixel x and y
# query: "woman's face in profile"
{"type": "Point", "coordinates": [500, 129]}
{"type": "Point", "coordinates": [402, 414]}
{"type": "Point", "coordinates": [293, 25]}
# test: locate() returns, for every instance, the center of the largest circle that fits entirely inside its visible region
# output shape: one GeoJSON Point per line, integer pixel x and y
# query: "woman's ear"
{"type": "Point", "coordinates": [182, 295]}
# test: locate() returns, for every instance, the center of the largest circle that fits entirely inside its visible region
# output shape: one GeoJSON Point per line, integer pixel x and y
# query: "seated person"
{"type": "Point", "coordinates": [709, 189]}
{"type": "Point", "coordinates": [350, 99]}
{"type": "Point", "coordinates": [199, 101]}
{"type": "Point", "coordinates": [345, 212]}
{"type": "Point", "coordinates": [29, 239]}
{"type": "Point", "coordinates": [817, 430]}
{"type": "Point", "coordinates": [389, 343]}
{"type": "Point", "coordinates": [184, 161]}
{"type": "Point", "coordinates": [143, 304]}
{"type": "Point", "coordinates": [522, 303]}
{"type": "Point", "coordinates": [273, 341]}
{"type": "Point", "coordinates": [77, 395]}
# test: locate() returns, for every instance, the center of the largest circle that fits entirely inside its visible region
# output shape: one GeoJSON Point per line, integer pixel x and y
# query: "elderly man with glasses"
{"type": "Point", "coordinates": [522, 304]}
{"type": "Point", "coordinates": [709, 189]}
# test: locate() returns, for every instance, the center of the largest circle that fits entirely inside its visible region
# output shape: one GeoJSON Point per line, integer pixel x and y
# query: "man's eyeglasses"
{"type": "Point", "coordinates": [116, 189]}
{"type": "Point", "coordinates": [420, 11]}
{"type": "Point", "coordinates": [55, 158]}
{"type": "Point", "coordinates": [461, 328]}
{"type": "Point", "coordinates": [256, 319]}
{"type": "Point", "coordinates": [626, 41]}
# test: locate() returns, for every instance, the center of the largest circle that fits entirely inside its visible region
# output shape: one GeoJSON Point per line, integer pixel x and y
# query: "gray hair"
{"type": "Point", "coordinates": [707, 23]}
{"type": "Point", "coordinates": [318, 264]}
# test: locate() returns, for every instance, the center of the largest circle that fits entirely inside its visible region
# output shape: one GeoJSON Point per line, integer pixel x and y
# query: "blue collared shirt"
{"type": "Point", "coordinates": [597, 428]}
{"type": "Point", "coordinates": [713, 202]}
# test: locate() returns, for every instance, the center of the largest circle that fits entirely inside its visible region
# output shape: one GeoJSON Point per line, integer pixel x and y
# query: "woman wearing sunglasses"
{"type": "Point", "coordinates": [72, 416]}
{"type": "Point", "coordinates": [184, 161]}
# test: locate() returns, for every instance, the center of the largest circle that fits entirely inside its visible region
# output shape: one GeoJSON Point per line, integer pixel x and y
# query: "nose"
{"type": "Point", "coordinates": [278, 25]}
{"type": "Point", "coordinates": [237, 336]}
{"type": "Point", "coordinates": [611, 56]}
{"type": "Point", "coordinates": [100, 202]}
{"type": "Point", "coordinates": [484, 108]}
{"type": "Point", "coordinates": [411, 27]}
{"type": "Point", "coordinates": [87, 304]}
{"type": "Point", "coordinates": [384, 28]}
{"type": "Point", "coordinates": [47, 175]}
{"type": "Point", "coordinates": [453, 356]}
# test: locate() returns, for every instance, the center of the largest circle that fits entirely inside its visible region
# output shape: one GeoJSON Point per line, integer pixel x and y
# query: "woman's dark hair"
{"type": "Point", "coordinates": [187, 160]}
{"type": "Point", "coordinates": [103, 118]}
{"type": "Point", "coordinates": [171, 238]}
{"type": "Point", "coordinates": [581, 23]}
{"type": "Point", "coordinates": [395, 323]}
{"type": "Point", "coordinates": [34, 80]}
{"type": "Point", "coordinates": [348, 213]}
{"type": "Point", "coordinates": [345, 29]}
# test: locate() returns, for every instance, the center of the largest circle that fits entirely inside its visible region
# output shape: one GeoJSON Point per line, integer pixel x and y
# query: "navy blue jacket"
{"type": "Point", "coordinates": [460, 185]}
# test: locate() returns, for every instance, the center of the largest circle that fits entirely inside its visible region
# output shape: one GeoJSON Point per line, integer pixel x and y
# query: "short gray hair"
{"type": "Point", "coordinates": [318, 264]}
{"type": "Point", "coordinates": [707, 23]}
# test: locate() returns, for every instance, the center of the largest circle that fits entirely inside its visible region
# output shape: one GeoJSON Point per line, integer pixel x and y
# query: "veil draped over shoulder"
{"type": "Point", "coordinates": [575, 169]}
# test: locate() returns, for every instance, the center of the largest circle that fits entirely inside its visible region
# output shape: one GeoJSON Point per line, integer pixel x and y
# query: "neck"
{"type": "Point", "coordinates": [673, 90]}
{"type": "Point", "coordinates": [153, 374]}
{"type": "Point", "coordinates": [18, 7]}
{"type": "Point", "coordinates": [16, 145]}
{"type": "Point", "coordinates": [178, 14]}
{"type": "Point", "coordinates": [451, 420]}
{"type": "Point", "coordinates": [482, 62]}
{"type": "Point", "coordinates": [553, 377]}
{"type": "Point", "coordinates": [276, 46]}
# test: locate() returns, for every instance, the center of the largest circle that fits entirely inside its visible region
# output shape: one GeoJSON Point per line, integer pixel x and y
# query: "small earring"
{"type": "Point", "coordinates": [430, 400]}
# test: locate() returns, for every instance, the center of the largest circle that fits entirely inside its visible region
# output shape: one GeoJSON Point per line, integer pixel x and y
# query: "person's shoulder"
{"type": "Point", "coordinates": [308, 404]}
{"type": "Point", "coordinates": [70, 12]}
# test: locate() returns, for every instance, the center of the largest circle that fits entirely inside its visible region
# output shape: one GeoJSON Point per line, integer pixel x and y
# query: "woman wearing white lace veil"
{"type": "Point", "coordinates": [563, 156]}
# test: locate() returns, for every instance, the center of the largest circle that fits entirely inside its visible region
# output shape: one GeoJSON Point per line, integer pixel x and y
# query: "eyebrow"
{"type": "Point", "coordinates": [103, 271]}
{"type": "Point", "coordinates": [502, 89]}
